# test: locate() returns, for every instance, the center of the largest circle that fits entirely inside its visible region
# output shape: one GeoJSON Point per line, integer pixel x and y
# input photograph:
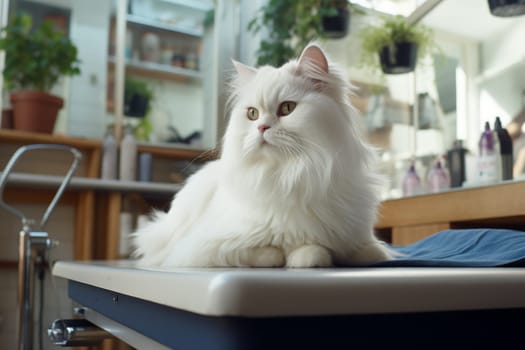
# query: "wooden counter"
{"type": "Point", "coordinates": [412, 218]}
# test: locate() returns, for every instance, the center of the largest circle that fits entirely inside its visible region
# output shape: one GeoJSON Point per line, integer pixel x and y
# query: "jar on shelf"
{"type": "Point", "coordinates": [150, 47]}
{"type": "Point", "coordinates": [178, 60]}
{"type": "Point", "coordinates": [192, 61]}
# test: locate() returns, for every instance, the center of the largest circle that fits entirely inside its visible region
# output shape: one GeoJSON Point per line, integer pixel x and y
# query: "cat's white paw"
{"type": "Point", "coordinates": [309, 256]}
{"type": "Point", "coordinates": [265, 257]}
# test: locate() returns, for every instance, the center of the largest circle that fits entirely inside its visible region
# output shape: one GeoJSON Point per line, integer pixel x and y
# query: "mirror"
{"type": "Point", "coordinates": [490, 69]}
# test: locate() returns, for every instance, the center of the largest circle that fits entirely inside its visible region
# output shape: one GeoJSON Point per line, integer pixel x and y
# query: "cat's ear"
{"type": "Point", "coordinates": [244, 72]}
{"type": "Point", "coordinates": [313, 56]}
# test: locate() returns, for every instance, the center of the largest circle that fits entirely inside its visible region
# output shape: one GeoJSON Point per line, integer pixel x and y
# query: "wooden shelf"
{"type": "Point", "coordinates": [89, 147]}
{"type": "Point", "coordinates": [16, 136]}
{"type": "Point", "coordinates": [176, 151]}
{"type": "Point", "coordinates": [8, 264]}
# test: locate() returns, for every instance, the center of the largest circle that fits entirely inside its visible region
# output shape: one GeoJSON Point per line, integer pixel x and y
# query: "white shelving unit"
{"type": "Point", "coordinates": [152, 68]}
{"type": "Point", "coordinates": [163, 26]}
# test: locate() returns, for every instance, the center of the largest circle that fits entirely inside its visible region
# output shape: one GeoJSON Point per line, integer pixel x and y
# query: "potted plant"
{"type": "Point", "coordinates": [507, 8]}
{"type": "Point", "coordinates": [395, 46]}
{"type": "Point", "coordinates": [335, 17]}
{"type": "Point", "coordinates": [137, 104]}
{"type": "Point", "coordinates": [292, 24]}
{"type": "Point", "coordinates": [35, 60]}
{"type": "Point", "coordinates": [137, 98]}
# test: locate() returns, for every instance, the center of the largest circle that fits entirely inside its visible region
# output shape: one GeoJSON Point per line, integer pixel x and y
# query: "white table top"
{"type": "Point", "coordinates": [306, 292]}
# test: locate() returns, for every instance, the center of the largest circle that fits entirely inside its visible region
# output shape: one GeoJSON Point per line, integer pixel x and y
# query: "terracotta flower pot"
{"type": "Point", "coordinates": [7, 119]}
{"type": "Point", "coordinates": [35, 111]}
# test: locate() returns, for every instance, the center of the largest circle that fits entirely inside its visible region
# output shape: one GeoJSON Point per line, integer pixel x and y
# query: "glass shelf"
{"type": "Point", "coordinates": [158, 70]}
{"type": "Point", "coordinates": [152, 23]}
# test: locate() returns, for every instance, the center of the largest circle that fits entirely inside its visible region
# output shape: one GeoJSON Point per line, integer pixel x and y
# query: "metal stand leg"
{"type": "Point", "coordinates": [32, 248]}
{"type": "Point", "coordinates": [33, 245]}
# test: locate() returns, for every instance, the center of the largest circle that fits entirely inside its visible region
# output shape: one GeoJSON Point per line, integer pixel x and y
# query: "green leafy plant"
{"type": "Point", "coordinates": [135, 86]}
{"type": "Point", "coordinates": [138, 97]}
{"type": "Point", "coordinates": [36, 58]}
{"type": "Point", "coordinates": [137, 89]}
{"type": "Point", "coordinates": [394, 30]}
{"type": "Point", "coordinates": [291, 25]}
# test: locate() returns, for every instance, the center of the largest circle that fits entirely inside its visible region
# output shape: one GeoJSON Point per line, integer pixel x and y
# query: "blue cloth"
{"type": "Point", "coordinates": [463, 248]}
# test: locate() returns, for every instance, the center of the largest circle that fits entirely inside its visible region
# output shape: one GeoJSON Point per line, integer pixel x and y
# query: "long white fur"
{"type": "Point", "coordinates": [305, 193]}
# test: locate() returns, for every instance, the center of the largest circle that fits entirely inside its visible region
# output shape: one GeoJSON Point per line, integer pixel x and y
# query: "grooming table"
{"type": "Point", "coordinates": [339, 308]}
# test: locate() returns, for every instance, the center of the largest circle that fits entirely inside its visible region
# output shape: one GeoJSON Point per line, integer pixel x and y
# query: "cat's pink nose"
{"type": "Point", "coordinates": [262, 128]}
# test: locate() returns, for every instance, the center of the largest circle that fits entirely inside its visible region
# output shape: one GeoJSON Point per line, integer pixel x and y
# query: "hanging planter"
{"type": "Point", "coordinates": [395, 46]}
{"type": "Point", "coordinates": [398, 58]}
{"type": "Point", "coordinates": [507, 8]}
{"type": "Point", "coordinates": [336, 26]}
{"type": "Point", "coordinates": [292, 24]}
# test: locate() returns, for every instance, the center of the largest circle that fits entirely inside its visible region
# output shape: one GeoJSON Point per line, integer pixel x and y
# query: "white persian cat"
{"type": "Point", "coordinates": [295, 185]}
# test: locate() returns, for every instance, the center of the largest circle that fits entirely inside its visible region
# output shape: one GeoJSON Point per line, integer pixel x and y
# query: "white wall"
{"type": "Point", "coordinates": [87, 99]}
{"type": "Point", "coordinates": [179, 105]}
{"type": "Point", "coordinates": [501, 78]}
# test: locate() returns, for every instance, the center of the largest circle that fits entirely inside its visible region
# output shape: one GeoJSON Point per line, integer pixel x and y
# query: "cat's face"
{"type": "Point", "coordinates": [284, 112]}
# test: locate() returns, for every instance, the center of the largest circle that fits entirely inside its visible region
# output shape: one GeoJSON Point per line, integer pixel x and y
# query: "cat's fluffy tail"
{"type": "Point", "coordinates": [374, 252]}
{"type": "Point", "coordinates": [150, 241]}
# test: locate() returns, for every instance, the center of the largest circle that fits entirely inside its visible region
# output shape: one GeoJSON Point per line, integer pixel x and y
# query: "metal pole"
{"type": "Point", "coordinates": [25, 293]}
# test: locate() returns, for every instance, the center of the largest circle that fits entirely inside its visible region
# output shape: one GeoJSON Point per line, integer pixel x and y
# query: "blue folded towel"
{"type": "Point", "coordinates": [462, 248]}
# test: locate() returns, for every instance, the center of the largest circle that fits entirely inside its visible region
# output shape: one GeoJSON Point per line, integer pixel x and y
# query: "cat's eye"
{"type": "Point", "coordinates": [252, 113]}
{"type": "Point", "coordinates": [286, 108]}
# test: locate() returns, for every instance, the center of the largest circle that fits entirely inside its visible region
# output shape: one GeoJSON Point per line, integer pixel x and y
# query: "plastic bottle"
{"type": "Point", "coordinates": [145, 160]}
{"type": "Point", "coordinates": [128, 156]}
{"type": "Point", "coordinates": [411, 182]}
{"type": "Point", "coordinates": [489, 162]}
{"type": "Point", "coordinates": [109, 164]}
{"type": "Point", "coordinates": [438, 178]}
{"type": "Point", "coordinates": [505, 150]}
{"type": "Point", "coordinates": [456, 164]}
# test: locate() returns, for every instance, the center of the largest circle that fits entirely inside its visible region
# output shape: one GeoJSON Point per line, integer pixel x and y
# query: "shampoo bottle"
{"type": "Point", "coordinates": [505, 150]}
{"type": "Point", "coordinates": [438, 178]}
{"type": "Point", "coordinates": [489, 163]}
{"type": "Point", "coordinates": [411, 182]}
{"type": "Point", "coordinates": [128, 156]}
{"type": "Point", "coordinates": [456, 164]}
{"type": "Point", "coordinates": [109, 164]}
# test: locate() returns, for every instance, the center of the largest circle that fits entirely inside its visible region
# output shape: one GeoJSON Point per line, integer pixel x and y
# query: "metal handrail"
{"type": "Point", "coordinates": [12, 162]}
